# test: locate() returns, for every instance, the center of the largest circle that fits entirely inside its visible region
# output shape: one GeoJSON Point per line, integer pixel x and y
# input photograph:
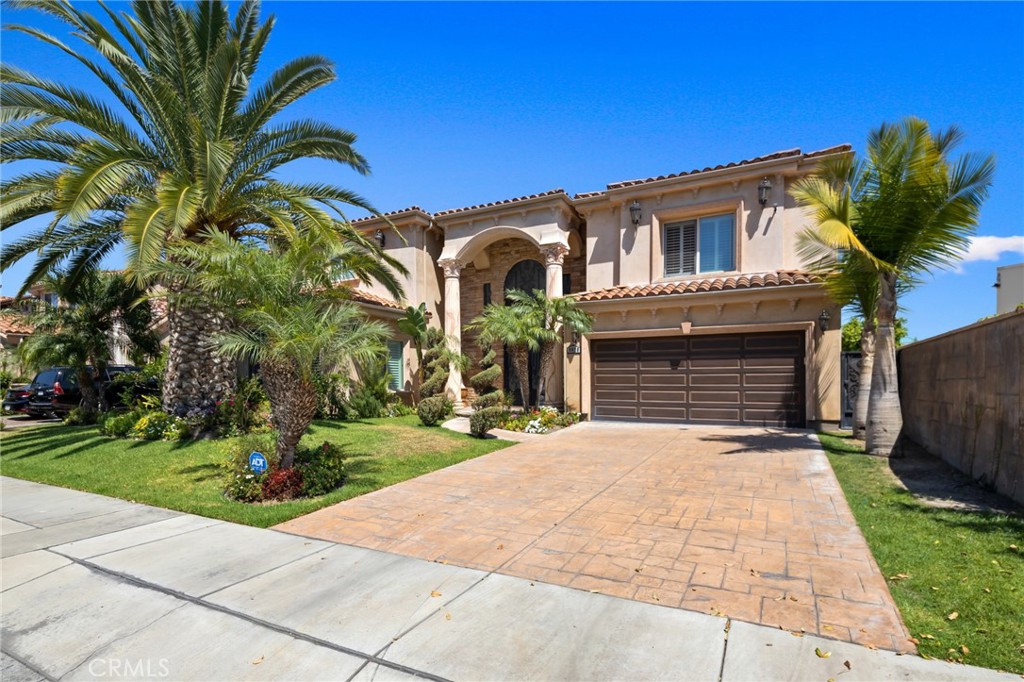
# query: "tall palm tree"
{"type": "Point", "coordinates": [903, 210]}
{"type": "Point", "coordinates": [100, 310]}
{"type": "Point", "coordinates": [549, 316]}
{"type": "Point", "coordinates": [185, 145]}
{"type": "Point", "coordinates": [284, 312]}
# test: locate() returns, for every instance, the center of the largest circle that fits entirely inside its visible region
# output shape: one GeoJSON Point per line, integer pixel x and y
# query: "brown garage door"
{"type": "Point", "coordinates": [731, 379]}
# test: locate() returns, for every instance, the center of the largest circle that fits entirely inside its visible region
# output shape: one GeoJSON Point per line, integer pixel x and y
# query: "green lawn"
{"type": "Point", "coordinates": [957, 577]}
{"type": "Point", "coordinates": [188, 476]}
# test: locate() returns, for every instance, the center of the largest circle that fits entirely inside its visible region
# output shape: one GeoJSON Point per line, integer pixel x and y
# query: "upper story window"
{"type": "Point", "coordinates": [706, 244]}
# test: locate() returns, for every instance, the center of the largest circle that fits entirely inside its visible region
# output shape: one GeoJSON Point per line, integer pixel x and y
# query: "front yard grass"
{"type": "Point", "coordinates": [956, 576]}
{"type": "Point", "coordinates": [188, 476]}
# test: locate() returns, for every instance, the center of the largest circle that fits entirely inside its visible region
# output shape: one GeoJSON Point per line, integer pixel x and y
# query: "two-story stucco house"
{"type": "Point", "coordinates": [702, 311]}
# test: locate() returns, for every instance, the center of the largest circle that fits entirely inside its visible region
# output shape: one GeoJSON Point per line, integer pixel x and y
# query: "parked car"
{"type": "Point", "coordinates": [55, 390]}
{"type": "Point", "coordinates": [16, 399]}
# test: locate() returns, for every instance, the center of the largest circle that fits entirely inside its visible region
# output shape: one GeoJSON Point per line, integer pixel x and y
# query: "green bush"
{"type": "Point", "coordinates": [118, 425]}
{"type": "Point", "coordinates": [489, 400]}
{"type": "Point", "coordinates": [79, 417]}
{"type": "Point", "coordinates": [330, 396]}
{"type": "Point", "coordinates": [399, 409]}
{"type": "Point", "coordinates": [157, 425]}
{"type": "Point", "coordinates": [432, 410]}
{"type": "Point", "coordinates": [370, 397]}
{"type": "Point", "coordinates": [323, 468]}
{"type": "Point", "coordinates": [245, 411]}
{"type": "Point", "coordinates": [484, 420]}
{"type": "Point", "coordinates": [241, 483]}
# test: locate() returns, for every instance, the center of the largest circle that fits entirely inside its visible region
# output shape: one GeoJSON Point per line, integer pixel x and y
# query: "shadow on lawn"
{"type": "Point", "coordinates": [31, 445]}
{"type": "Point", "coordinates": [204, 472]}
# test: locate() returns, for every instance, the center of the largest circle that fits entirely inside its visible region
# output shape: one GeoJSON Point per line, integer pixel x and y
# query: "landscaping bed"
{"type": "Point", "coordinates": [190, 476]}
{"type": "Point", "coordinates": [957, 576]}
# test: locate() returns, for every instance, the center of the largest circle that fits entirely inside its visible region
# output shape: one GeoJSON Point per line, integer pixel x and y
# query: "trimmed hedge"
{"type": "Point", "coordinates": [432, 410]}
{"type": "Point", "coordinates": [485, 419]}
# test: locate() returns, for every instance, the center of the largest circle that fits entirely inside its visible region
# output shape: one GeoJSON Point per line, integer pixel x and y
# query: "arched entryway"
{"type": "Point", "coordinates": [526, 275]}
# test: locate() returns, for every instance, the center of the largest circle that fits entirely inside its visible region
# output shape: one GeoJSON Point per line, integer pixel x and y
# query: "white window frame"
{"type": "Point", "coordinates": [695, 221]}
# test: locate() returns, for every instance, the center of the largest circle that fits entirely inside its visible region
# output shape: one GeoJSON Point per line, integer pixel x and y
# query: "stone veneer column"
{"type": "Point", "coordinates": [453, 323]}
{"type": "Point", "coordinates": [553, 257]}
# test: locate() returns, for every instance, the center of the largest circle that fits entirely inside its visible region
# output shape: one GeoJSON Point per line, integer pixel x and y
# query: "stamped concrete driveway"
{"type": "Point", "coordinates": [748, 523]}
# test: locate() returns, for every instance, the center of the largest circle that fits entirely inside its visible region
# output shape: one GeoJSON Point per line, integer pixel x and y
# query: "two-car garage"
{"type": "Point", "coordinates": [748, 379]}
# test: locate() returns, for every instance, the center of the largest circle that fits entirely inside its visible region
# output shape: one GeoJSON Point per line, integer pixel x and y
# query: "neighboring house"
{"type": "Point", "coordinates": [1009, 288]}
{"type": "Point", "coordinates": [702, 312]}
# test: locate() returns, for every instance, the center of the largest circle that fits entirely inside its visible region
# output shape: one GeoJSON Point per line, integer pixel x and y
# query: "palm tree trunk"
{"type": "Point", "coordinates": [885, 420]}
{"type": "Point", "coordinates": [87, 385]}
{"type": "Point", "coordinates": [197, 376]}
{"type": "Point", "coordinates": [521, 364]}
{"type": "Point", "coordinates": [292, 405]}
{"type": "Point", "coordinates": [867, 361]}
{"type": "Point", "coordinates": [547, 366]}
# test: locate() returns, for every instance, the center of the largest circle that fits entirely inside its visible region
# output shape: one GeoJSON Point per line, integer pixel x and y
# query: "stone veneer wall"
{"type": "Point", "coordinates": [503, 255]}
{"type": "Point", "coordinates": [961, 394]}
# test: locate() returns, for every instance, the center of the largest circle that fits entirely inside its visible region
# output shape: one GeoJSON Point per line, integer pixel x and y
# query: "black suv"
{"type": "Point", "coordinates": [56, 391]}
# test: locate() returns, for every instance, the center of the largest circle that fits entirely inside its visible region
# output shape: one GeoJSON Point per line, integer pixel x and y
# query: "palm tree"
{"type": "Point", "coordinates": [185, 146]}
{"type": "Point", "coordinates": [549, 316]}
{"type": "Point", "coordinates": [414, 325]}
{"type": "Point", "coordinates": [903, 210]}
{"type": "Point", "coordinates": [98, 311]}
{"type": "Point", "coordinates": [517, 332]}
{"type": "Point", "coordinates": [284, 312]}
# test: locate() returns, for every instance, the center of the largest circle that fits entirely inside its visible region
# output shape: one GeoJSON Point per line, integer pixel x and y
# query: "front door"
{"type": "Point", "coordinates": [526, 275]}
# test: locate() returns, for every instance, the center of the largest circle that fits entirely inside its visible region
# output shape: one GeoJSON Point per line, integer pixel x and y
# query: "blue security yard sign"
{"type": "Point", "coordinates": [258, 463]}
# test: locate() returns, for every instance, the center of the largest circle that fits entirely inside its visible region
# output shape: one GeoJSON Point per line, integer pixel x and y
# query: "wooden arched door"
{"type": "Point", "coordinates": [526, 275]}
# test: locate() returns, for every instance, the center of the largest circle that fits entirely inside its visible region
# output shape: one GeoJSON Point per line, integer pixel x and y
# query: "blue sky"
{"type": "Point", "coordinates": [464, 103]}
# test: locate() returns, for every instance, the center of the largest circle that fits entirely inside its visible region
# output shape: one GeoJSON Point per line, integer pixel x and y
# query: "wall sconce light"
{"type": "Point", "coordinates": [574, 347]}
{"type": "Point", "coordinates": [764, 191]}
{"type": "Point", "coordinates": [823, 320]}
{"type": "Point", "coordinates": [634, 212]}
{"type": "Point", "coordinates": [379, 236]}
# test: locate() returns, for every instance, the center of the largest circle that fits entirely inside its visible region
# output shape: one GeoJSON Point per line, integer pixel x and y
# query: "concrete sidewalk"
{"type": "Point", "coordinates": [99, 588]}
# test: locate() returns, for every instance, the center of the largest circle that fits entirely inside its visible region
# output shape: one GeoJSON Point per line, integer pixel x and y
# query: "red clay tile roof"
{"type": "Point", "coordinates": [788, 153]}
{"type": "Point", "coordinates": [408, 209]}
{"type": "Point", "coordinates": [549, 193]}
{"type": "Point", "coordinates": [15, 324]}
{"type": "Point", "coordinates": [694, 286]}
{"type": "Point", "coordinates": [367, 298]}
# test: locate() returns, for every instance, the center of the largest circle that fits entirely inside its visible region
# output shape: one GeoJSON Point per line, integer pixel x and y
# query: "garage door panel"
{"type": "Point", "coordinates": [663, 412]}
{"type": "Point", "coordinates": [732, 379]}
{"type": "Point", "coordinates": [663, 396]}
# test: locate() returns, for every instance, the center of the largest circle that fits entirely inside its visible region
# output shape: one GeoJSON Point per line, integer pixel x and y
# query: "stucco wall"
{"type": "Point", "coordinates": [961, 394]}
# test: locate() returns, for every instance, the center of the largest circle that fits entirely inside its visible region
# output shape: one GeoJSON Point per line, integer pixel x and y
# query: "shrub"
{"type": "Point", "coordinates": [399, 409]}
{"type": "Point", "coordinates": [323, 468]}
{"type": "Point", "coordinates": [484, 420]}
{"type": "Point", "coordinates": [131, 387]}
{"type": "Point", "coordinates": [79, 417]}
{"type": "Point", "coordinates": [246, 411]}
{"type": "Point", "coordinates": [370, 397]}
{"type": "Point", "coordinates": [432, 410]}
{"type": "Point", "coordinates": [543, 420]}
{"type": "Point", "coordinates": [241, 483]}
{"type": "Point", "coordinates": [489, 400]}
{"type": "Point", "coordinates": [118, 425]}
{"type": "Point", "coordinates": [153, 426]}
{"type": "Point", "coordinates": [330, 396]}
{"type": "Point", "coordinates": [282, 484]}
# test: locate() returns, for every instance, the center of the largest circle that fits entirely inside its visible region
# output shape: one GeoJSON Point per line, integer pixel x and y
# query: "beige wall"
{"type": "Point", "coordinates": [786, 308]}
{"type": "Point", "coordinates": [418, 253]}
{"type": "Point", "coordinates": [620, 254]}
{"type": "Point", "coordinates": [1010, 293]}
{"type": "Point", "coordinates": [962, 395]}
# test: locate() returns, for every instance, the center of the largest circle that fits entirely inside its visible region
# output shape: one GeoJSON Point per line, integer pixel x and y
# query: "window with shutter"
{"type": "Point", "coordinates": [395, 365]}
{"type": "Point", "coordinates": [696, 246]}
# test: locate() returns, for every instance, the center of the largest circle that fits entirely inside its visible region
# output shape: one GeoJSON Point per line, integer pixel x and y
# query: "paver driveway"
{"type": "Point", "coordinates": [744, 522]}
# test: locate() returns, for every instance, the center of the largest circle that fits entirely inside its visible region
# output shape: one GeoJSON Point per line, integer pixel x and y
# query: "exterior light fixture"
{"type": "Point", "coordinates": [764, 190]}
{"type": "Point", "coordinates": [823, 320]}
{"type": "Point", "coordinates": [634, 212]}
{"type": "Point", "coordinates": [574, 347]}
{"type": "Point", "coordinates": [379, 236]}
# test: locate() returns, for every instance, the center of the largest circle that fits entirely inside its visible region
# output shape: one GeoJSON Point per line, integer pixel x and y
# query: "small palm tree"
{"type": "Point", "coordinates": [284, 312]}
{"type": "Point", "coordinates": [414, 325]}
{"type": "Point", "coordinates": [903, 210]}
{"type": "Point", "coordinates": [518, 333]}
{"type": "Point", "coordinates": [549, 316]}
{"type": "Point", "coordinates": [183, 144]}
{"type": "Point", "coordinates": [96, 313]}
